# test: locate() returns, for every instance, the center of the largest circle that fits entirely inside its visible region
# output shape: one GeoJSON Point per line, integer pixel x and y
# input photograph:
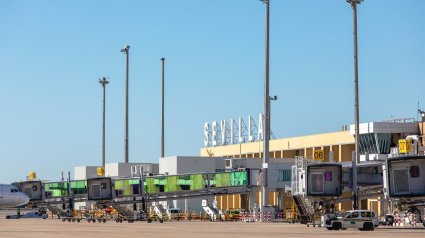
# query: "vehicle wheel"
{"type": "Point", "coordinates": [7, 217]}
{"type": "Point", "coordinates": [78, 220]}
{"type": "Point", "coordinates": [69, 220]}
{"type": "Point", "coordinates": [367, 226]}
{"type": "Point", "coordinates": [88, 221]}
{"type": "Point", "coordinates": [149, 220]}
{"type": "Point", "coordinates": [117, 221]}
{"type": "Point", "coordinates": [343, 229]}
{"type": "Point", "coordinates": [120, 220]}
{"type": "Point", "coordinates": [73, 220]}
{"type": "Point", "coordinates": [63, 220]}
{"type": "Point", "coordinates": [314, 225]}
{"type": "Point", "coordinates": [336, 226]}
{"type": "Point", "coordinates": [94, 220]}
{"type": "Point", "coordinates": [99, 220]}
{"type": "Point", "coordinates": [129, 221]}
{"type": "Point", "coordinates": [104, 220]}
{"type": "Point", "coordinates": [329, 228]}
{"type": "Point", "coordinates": [161, 221]}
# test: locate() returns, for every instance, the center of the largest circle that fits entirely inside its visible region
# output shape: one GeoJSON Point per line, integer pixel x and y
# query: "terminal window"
{"type": "Point", "coordinates": [414, 171]}
{"type": "Point", "coordinates": [284, 175]}
{"type": "Point", "coordinates": [328, 176]}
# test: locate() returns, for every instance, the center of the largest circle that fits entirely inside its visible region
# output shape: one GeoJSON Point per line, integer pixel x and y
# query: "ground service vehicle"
{"type": "Point", "coordinates": [232, 214]}
{"type": "Point", "coordinates": [364, 220]}
{"type": "Point", "coordinates": [29, 215]}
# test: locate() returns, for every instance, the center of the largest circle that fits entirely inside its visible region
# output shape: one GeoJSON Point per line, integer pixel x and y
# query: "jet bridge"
{"type": "Point", "coordinates": [127, 195]}
{"type": "Point", "coordinates": [33, 189]}
{"type": "Point", "coordinates": [315, 186]}
{"type": "Point", "coordinates": [404, 179]}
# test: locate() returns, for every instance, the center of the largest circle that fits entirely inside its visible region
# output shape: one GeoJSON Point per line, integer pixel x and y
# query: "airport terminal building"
{"type": "Point", "coordinates": [376, 140]}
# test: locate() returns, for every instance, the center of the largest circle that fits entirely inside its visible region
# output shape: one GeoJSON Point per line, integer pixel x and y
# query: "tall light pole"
{"type": "Point", "coordinates": [103, 82]}
{"type": "Point", "coordinates": [125, 51]}
{"type": "Point", "coordinates": [356, 158]}
{"type": "Point", "coordinates": [266, 114]}
{"type": "Point", "coordinates": [162, 131]}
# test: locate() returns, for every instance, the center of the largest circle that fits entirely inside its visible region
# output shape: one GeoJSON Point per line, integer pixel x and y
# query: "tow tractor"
{"type": "Point", "coordinates": [364, 220]}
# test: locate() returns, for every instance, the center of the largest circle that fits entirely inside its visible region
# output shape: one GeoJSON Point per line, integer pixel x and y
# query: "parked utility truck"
{"type": "Point", "coordinates": [364, 220]}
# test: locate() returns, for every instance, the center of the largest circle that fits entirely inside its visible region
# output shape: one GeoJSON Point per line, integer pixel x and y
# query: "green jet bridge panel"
{"type": "Point", "coordinates": [170, 187]}
{"type": "Point", "coordinates": [56, 190]}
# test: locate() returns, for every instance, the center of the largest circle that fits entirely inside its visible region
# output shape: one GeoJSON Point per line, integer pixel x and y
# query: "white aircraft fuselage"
{"type": "Point", "coordinates": [10, 196]}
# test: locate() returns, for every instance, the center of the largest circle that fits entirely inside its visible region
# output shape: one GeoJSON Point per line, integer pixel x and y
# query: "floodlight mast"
{"type": "Point", "coordinates": [266, 115]}
{"type": "Point", "coordinates": [356, 158]}
{"type": "Point", "coordinates": [162, 125]}
{"type": "Point", "coordinates": [125, 51]}
{"type": "Point", "coordinates": [103, 82]}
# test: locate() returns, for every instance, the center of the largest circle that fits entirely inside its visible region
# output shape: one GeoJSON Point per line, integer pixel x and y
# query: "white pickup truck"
{"type": "Point", "coordinates": [364, 220]}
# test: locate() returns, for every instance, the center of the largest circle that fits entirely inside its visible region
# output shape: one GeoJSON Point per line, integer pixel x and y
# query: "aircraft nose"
{"type": "Point", "coordinates": [24, 198]}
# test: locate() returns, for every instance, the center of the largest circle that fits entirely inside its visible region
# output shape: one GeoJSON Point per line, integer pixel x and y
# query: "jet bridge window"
{"type": "Point", "coordinates": [34, 188]}
{"type": "Point", "coordinates": [414, 171]}
{"type": "Point", "coordinates": [79, 187]}
{"type": "Point", "coordinates": [328, 176]}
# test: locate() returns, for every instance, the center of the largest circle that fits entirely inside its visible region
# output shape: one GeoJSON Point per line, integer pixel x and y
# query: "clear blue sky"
{"type": "Point", "coordinates": [52, 52]}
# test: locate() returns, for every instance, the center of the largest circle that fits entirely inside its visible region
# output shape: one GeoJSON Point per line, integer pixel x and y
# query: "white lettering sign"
{"type": "Point", "coordinates": [241, 138]}
{"type": "Point", "coordinates": [214, 133]}
{"type": "Point", "coordinates": [260, 127]}
{"type": "Point", "coordinates": [207, 139]}
{"type": "Point", "coordinates": [218, 134]}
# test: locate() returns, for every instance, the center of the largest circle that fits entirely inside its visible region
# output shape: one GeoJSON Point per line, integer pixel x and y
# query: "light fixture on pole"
{"type": "Point", "coordinates": [103, 82]}
{"type": "Point", "coordinates": [274, 98]}
{"type": "Point", "coordinates": [125, 51]}
{"type": "Point", "coordinates": [356, 158]}
{"type": "Point", "coordinates": [266, 113]}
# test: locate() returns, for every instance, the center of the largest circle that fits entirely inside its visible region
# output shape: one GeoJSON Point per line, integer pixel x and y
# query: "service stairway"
{"type": "Point", "coordinates": [213, 211]}
{"type": "Point", "coordinates": [304, 208]}
{"type": "Point", "coordinates": [159, 210]}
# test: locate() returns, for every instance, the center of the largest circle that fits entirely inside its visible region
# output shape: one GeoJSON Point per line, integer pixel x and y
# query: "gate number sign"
{"type": "Point", "coordinates": [318, 155]}
{"type": "Point", "coordinates": [405, 146]}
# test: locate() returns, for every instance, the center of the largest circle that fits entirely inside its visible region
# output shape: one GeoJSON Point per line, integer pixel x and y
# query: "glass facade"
{"type": "Point", "coordinates": [284, 175]}
{"type": "Point", "coordinates": [78, 187]}
{"type": "Point", "coordinates": [379, 144]}
{"type": "Point", "coordinates": [366, 176]}
{"type": "Point", "coordinates": [57, 189]}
